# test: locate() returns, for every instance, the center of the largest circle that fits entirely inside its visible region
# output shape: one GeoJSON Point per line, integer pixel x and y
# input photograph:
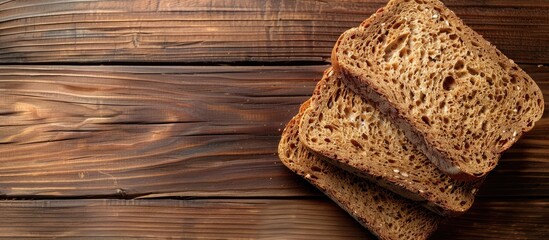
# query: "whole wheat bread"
{"type": "Point", "coordinates": [354, 135]}
{"type": "Point", "coordinates": [454, 94]}
{"type": "Point", "coordinates": [385, 214]}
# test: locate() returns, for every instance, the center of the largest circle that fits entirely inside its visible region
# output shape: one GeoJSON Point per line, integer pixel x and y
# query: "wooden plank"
{"type": "Point", "coordinates": [127, 131]}
{"type": "Point", "coordinates": [500, 218]}
{"type": "Point", "coordinates": [228, 31]}
{"type": "Point", "coordinates": [189, 219]}
{"type": "Point", "coordinates": [152, 131]}
{"type": "Point", "coordinates": [247, 218]}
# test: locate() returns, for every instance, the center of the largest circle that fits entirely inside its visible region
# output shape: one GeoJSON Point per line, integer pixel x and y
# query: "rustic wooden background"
{"type": "Point", "coordinates": [160, 119]}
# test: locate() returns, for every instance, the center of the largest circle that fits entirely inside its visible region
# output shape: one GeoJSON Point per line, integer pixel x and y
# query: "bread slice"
{"type": "Point", "coordinates": [454, 94]}
{"type": "Point", "coordinates": [386, 215]}
{"type": "Point", "coordinates": [354, 135]}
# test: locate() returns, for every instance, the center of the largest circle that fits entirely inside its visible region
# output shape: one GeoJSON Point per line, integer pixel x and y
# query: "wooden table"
{"type": "Point", "coordinates": [161, 118]}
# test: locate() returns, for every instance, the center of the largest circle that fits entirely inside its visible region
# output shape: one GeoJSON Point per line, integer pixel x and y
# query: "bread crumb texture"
{"type": "Point", "coordinates": [469, 101]}
{"type": "Point", "coordinates": [351, 132]}
{"type": "Point", "coordinates": [385, 214]}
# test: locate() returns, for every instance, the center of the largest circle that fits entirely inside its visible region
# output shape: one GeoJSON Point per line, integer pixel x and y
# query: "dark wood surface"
{"type": "Point", "coordinates": [247, 218]}
{"type": "Point", "coordinates": [227, 30]}
{"type": "Point", "coordinates": [157, 120]}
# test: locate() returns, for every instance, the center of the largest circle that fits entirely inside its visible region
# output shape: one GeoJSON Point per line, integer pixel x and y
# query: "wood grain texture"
{"type": "Point", "coordinates": [245, 219]}
{"type": "Point", "coordinates": [228, 31]}
{"type": "Point", "coordinates": [126, 131]}
{"type": "Point", "coordinates": [152, 131]}
{"type": "Point", "coordinates": [500, 218]}
{"type": "Point", "coordinates": [189, 219]}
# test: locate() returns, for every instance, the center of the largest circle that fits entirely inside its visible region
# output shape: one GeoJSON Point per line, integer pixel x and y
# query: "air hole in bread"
{"type": "Point", "coordinates": [444, 30]}
{"type": "Point", "coordinates": [329, 127]}
{"type": "Point", "coordinates": [475, 44]}
{"type": "Point", "coordinates": [327, 140]}
{"type": "Point", "coordinates": [425, 119]}
{"type": "Point", "coordinates": [397, 24]}
{"type": "Point", "coordinates": [395, 45]}
{"type": "Point", "coordinates": [459, 65]}
{"type": "Point", "coordinates": [473, 93]}
{"type": "Point", "coordinates": [484, 126]}
{"type": "Point", "coordinates": [502, 65]}
{"type": "Point", "coordinates": [453, 36]}
{"type": "Point", "coordinates": [445, 120]}
{"type": "Point", "coordinates": [356, 144]}
{"type": "Point", "coordinates": [472, 71]}
{"type": "Point", "coordinates": [314, 140]}
{"type": "Point", "coordinates": [518, 107]}
{"type": "Point", "coordinates": [442, 104]}
{"type": "Point", "coordinates": [513, 79]}
{"type": "Point", "coordinates": [502, 142]}
{"type": "Point", "coordinates": [337, 94]}
{"type": "Point", "coordinates": [347, 111]}
{"type": "Point", "coordinates": [490, 81]}
{"type": "Point", "coordinates": [381, 38]}
{"type": "Point", "coordinates": [449, 83]}
{"type": "Point", "coordinates": [404, 52]}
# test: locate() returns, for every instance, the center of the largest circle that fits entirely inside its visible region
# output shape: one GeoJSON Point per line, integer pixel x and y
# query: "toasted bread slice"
{"type": "Point", "coordinates": [354, 135]}
{"type": "Point", "coordinates": [454, 94]}
{"type": "Point", "coordinates": [385, 214]}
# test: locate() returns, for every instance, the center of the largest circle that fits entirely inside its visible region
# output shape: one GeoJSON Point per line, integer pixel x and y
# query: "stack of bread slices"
{"type": "Point", "coordinates": [413, 114]}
